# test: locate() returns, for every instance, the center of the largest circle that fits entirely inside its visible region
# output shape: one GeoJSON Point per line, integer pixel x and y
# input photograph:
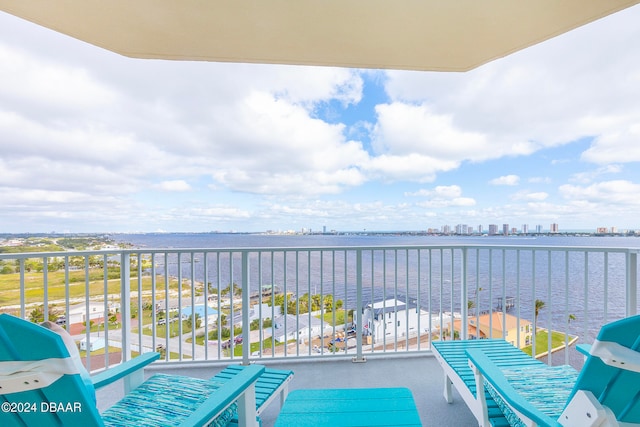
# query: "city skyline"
{"type": "Point", "coordinates": [95, 142]}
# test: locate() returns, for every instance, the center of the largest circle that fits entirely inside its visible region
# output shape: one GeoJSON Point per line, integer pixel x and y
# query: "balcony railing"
{"type": "Point", "coordinates": [249, 304]}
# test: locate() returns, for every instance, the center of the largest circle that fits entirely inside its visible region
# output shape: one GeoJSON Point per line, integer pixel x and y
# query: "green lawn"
{"type": "Point", "coordinates": [542, 340]}
{"type": "Point", "coordinates": [340, 317]}
{"type": "Point", "coordinates": [34, 284]}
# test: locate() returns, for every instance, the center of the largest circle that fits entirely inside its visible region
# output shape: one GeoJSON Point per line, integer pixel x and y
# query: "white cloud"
{"type": "Point", "coordinates": [442, 196]}
{"type": "Point", "coordinates": [215, 213]}
{"type": "Point", "coordinates": [46, 85]}
{"type": "Point", "coordinates": [606, 193]}
{"type": "Point", "coordinates": [86, 134]}
{"type": "Point", "coordinates": [510, 180]}
{"type": "Point", "coordinates": [403, 129]}
{"type": "Point", "coordinates": [549, 95]}
{"type": "Point", "coordinates": [177, 185]}
{"type": "Point", "coordinates": [270, 146]}
{"type": "Point", "coordinates": [531, 196]}
{"type": "Point", "coordinates": [587, 177]}
{"type": "Point", "coordinates": [619, 146]}
{"type": "Point", "coordinates": [443, 191]}
{"type": "Point", "coordinates": [445, 203]}
{"type": "Point", "coordinates": [410, 167]}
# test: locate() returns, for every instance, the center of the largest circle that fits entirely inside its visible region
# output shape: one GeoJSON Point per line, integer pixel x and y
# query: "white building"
{"type": "Point", "coordinates": [394, 318]}
{"type": "Point", "coordinates": [290, 327]}
{"type": "Point", "coordinates": [78, 312]}
{"type": "Point", "coordinates": [95, 343]}
{"type": "Point", "coordinates": [259, 311]}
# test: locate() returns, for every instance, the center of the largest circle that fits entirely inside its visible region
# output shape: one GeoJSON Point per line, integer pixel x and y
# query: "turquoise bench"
{"type": "Point", "coordinates": [454, 361]}
{"type": "Point", "coordinates": [349, 407]}
{"type": "Point", "coordinates": [271, 384]}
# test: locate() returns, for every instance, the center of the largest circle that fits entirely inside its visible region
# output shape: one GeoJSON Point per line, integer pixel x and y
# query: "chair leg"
{"type": "Point", "coordinates": [481, 401]}
{"type": "Point", "coordinates": [448, 396]}
{"type": "Point", "coordinates": [283, 395]}
{"type": "Point", "coordinates": [247, 415]}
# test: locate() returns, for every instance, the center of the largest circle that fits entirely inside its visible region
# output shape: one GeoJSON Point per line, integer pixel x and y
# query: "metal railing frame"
{"type": "Point", "coordinates": [460, 263]}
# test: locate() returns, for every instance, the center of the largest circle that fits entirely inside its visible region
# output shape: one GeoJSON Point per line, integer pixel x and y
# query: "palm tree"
{"type": "Point", "coordinates": [539, 306]}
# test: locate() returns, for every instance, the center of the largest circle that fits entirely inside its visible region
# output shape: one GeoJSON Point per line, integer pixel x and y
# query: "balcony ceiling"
{"type": "Point", "coordinates": [436, 35]}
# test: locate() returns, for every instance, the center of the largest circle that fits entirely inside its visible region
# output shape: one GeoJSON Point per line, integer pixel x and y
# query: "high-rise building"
{"type": "Point", "coordinates": [553, 228]}
{"type": "Point", "coordinates": [462, 229]}
{"type": "Point", "coordinates": [493, 229]}
{"type": "Point", "coordinates": [446, 229]}
{"type": "Point", "coordinates": [538, 229]}
{"type": "Point", "coordinates": [480, 229]}
{"type": "Point", "coordinates": [525, 228]}
{"type": "Point", "coordinates": [505, 229]}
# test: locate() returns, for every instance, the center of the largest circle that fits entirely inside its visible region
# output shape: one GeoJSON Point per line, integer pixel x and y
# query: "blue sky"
{"type": "Point", "coordinates": [94, 142]}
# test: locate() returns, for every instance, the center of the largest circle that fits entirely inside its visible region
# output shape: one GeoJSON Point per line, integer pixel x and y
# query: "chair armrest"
{"type": "Point", "coordinates": [124, 369]}
{"type": "Point", "coordinates": [240, 388]}
{"type": "Point", "coordinates": [494, 376]}
{"type": "Point", "coordinates": [585, 349]}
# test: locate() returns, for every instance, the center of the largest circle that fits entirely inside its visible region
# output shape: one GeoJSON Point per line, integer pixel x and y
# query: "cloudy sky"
{"type": "Point", "coordinates": [94, 142]}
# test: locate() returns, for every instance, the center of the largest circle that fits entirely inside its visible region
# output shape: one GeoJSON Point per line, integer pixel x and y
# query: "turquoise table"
{"type": "Point", "coordinates": [349, 407]}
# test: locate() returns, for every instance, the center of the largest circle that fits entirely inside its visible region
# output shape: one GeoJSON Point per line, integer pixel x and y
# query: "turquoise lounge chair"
{"type": "Point", "coordinates": [452, 356]}
{"type": "Point", "coordinates": [606, 392]}
{"type": "Point", "coordinates": [42, 383]}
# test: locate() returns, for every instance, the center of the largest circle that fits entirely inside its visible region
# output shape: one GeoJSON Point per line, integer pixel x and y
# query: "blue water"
{"type": "Point", "coordinates": [238, 240]}
{"type": "Point", "coordinates": [583, 291]}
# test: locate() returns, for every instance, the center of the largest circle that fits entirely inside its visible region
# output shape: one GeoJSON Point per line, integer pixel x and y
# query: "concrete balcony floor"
{"type": "Point", "coordinates": [420, 373]}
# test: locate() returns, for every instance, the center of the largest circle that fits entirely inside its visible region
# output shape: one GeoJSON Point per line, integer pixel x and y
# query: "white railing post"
{"type": "Point", "coordinates": [23, 304]}
{"type": "Point", "coordinates": [125, 305]}
{"type": "Point", "coordinates": [246, 301]}
{"type": "Point", "coordinates": [358, 314]}
{"type": "Point", "coordinates": [464, 290]}
{"type": "Point", "coordinates": [632, 283]}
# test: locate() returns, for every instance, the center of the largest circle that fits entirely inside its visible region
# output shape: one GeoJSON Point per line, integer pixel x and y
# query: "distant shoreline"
{"type": "Point", "coordinates": [630, 233]}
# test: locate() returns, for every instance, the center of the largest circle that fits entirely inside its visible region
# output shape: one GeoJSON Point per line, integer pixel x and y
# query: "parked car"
{"type": "Point", "coordinates": [226, 344]}
{"type": "Point", "coordinates": [238, 339]}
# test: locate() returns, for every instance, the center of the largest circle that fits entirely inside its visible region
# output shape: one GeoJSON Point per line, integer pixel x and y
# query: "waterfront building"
{"type": "Point", "coordinates": [525, 228]}
{"type": "Point", "coordinates": [517, 331]}
{"type": "Point", "coordinates": [493, 229]}
{"type": "Point", "coordinates": [553, 228]}
{"type": "Point", "coordinates": [289, 327]}
{"type": "Point", "coordinates": [393, 318]}
{"type": "Point", "coordinates": [462, 229]}
{"type": "Point", "coordinates": [505, 229]}
{"type": "Point", "coordinates": [538, 229]}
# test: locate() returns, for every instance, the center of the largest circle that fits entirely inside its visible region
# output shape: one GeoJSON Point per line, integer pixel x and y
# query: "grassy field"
{"type": "Point", "coordinates": [340, 317]}
{"type": "Point", "coordinates": [58, 289]}
{"type": "Point", "coordinates": [542, 341]}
